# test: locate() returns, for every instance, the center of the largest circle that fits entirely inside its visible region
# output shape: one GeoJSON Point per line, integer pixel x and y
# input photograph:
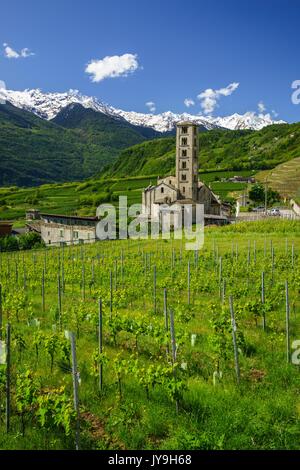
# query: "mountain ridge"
{"type": "Point", "coordinates": [48, 105]}
{"type": "Point", "coordinates": [35, 151]}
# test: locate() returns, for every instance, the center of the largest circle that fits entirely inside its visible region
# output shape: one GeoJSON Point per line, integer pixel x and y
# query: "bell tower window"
{"type": "Point", "coordinates": [184, 141]}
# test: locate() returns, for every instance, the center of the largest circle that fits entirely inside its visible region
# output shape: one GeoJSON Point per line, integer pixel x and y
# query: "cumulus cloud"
{"type": "Point", "coordinates": [261, 107]}
{"type": "Point", "coordinates": [189, 102]}
{"type": "Point", "coordinates": [151, 106]}
{"type": "Point", "coordinates": [112, 66]}
{"type": "Point", "coordinates": [209, 98]}
{"type": "Point", "coordinates": [10, 53]}
{"type": "Point", "coordinates": [274, 113]}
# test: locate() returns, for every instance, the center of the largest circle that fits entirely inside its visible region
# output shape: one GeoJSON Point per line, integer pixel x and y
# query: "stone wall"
{"type": "Point", "coordinates": [57, 234]}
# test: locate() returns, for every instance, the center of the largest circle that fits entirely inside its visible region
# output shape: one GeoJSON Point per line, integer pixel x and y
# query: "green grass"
{"type": "Point", "coordinates": [262, 413]}
{"type": "Point", "coordinates": [222, 189]}
{"type": "Point", "coordinates": [217, 175]}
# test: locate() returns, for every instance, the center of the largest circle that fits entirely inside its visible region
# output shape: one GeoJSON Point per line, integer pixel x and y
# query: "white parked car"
{"type": "Point", "coordinates": [275, 211]}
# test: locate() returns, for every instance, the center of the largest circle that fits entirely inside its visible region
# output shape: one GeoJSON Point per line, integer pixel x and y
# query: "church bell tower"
{"type": "Point", "coordinates": [187, 149]}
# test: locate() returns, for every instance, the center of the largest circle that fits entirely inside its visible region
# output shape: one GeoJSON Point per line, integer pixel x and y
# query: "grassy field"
{"type": "Point", "coordinates": [217, 175]}
{"type": "Point", "coordinates": [136, 406]}
{"type": "Point", "coordinates": [221, 188]}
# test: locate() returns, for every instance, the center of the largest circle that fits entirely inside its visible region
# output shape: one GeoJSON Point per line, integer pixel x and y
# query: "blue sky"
{"type": "Point", "coordinates": [179, 49]}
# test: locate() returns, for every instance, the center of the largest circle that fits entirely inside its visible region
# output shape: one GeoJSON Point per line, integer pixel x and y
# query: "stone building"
{"type": "Point", "coordinates": [63, 229]}
{"type": "Point", "coordinates": [185, 187]}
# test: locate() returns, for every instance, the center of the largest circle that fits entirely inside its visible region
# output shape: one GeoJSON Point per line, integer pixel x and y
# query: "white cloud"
{"type": "Point", "coordinates": [151, 106]}
{"type": "Point", "coordinates": [209, 98]}
{"type": "Point", "coordinates": [274, 113]}
{"type": "Point", "coordinates": [26, 52]}
{"type": "Point", "coordinates": [261, 107]}
{"type": "Point", "coordinates": [112, 66]}
{"type": "Point", "coordinates": [189, 102]}
{"type": "Point", "coordinates": [10, 53]}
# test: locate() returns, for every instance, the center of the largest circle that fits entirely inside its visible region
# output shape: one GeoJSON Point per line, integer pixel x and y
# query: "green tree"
{"type": "Point", "coordinates": [257, 193]}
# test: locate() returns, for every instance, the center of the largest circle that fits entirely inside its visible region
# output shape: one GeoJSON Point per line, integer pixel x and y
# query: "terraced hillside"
{"type": "Point", "coordinates": [285, 178]}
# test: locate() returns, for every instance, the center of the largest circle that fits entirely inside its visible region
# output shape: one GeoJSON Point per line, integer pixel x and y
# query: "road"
{"type": "Point", "coordinates": [284, 214]}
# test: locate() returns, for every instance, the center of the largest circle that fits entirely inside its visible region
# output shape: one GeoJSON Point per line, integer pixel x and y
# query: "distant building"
{"type": "Point", "coordinates": [185, 187]}
{"type": "Point", "coordinates": [64, 229]}
{"type": "Point", "coordinates": [226, 209]}
{"type": "Point", "coordinates": [242, 179]}
{"type": "Point", "coordinates": [242, 202]}
{"type": "Point", "coordinates": [32, 214]}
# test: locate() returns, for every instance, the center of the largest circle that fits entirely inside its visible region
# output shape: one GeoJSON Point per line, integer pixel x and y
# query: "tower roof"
{"type": "Point", "coordinates": [186, 123]}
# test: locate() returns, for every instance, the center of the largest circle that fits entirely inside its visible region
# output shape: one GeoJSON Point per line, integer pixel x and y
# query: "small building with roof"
{"type": "Point", "coordinates": [57, 229]}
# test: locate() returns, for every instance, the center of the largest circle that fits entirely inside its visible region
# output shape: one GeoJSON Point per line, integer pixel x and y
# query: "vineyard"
{"type": "Point", "coordinates": [139, 344]}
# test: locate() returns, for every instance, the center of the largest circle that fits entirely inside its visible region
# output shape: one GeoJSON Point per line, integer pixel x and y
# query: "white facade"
{"type": "Point", "coordinates": [59, 229]}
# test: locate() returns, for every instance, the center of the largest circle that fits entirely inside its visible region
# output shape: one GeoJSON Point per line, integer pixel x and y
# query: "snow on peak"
{"type": "Point", "coordinates": [249, 120]}
{"type": "Point", "coordinates": [48, 105]}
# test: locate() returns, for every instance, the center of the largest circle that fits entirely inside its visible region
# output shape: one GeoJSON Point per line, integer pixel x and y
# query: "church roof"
{"type": "Point", "coordinates": [186, 123]}
{"type": "Point", "coordinates": [149, 188]}
{"type": "Point", "coordinates": [185, 201]}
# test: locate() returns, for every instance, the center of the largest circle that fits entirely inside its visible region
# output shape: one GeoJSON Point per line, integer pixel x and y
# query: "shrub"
{"type": "Point", "coordinates": [30, 240]}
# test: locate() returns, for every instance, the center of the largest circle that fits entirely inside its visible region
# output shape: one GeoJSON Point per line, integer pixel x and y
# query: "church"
{"type": "Point", "coordinates": [185, 187]}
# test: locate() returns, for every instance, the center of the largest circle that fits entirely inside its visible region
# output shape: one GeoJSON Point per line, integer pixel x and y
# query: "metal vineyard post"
{"type": "Point", "coordinates": [7, 415]}
{"type": "Point", "coordinates": [75, 387]}
{"type": "Point", "coordinates": [236, 354]}
{"type": "Point", "coordinates": [287, 321]}
{"type": "Point", "coordinates": [100, 345]}
{"type": "Point", "coordinates": [263, 299]}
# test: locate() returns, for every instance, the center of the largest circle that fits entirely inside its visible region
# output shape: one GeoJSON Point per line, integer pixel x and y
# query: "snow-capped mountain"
{"type": "Point", "coordinates": [248, 120]}
{"type": "Point", "coordinates": [48, 105]}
